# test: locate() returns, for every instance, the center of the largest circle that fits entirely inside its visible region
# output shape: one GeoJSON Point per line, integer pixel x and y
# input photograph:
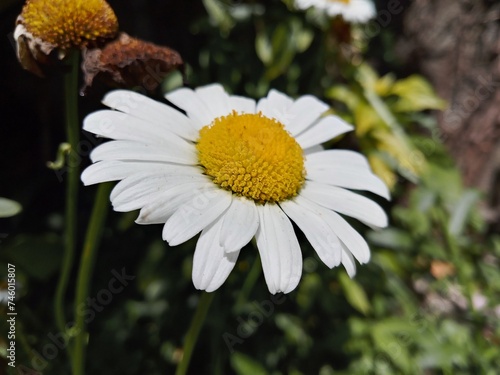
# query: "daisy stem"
{"type": "Point", "coordinates": [73, 135]}
{"type": "Point", "coordinates": [194, 331]}
{"type": "Point", "coordinates": [87, 261]}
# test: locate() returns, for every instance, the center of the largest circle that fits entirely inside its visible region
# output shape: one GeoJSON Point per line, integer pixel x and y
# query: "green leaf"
{"type": "Point", "coordinates": [263, 48]}
{"type": "Point", "coordinates": [461, 211]}
{"type": "Point", "coordinates": [172, 81]}
{"type": "Point", "coordinates": [416, 94]}
{"type": "Point", "coordinates": [303, 39]}
{"type": "Point", "coordinates": [367, 77]}
{"type": "Point", "coordinates": [9, 207]}
{"type": "Point", "coordinates": [366, 119]}
{"type": "Point", "coordinates": [244, 365]}
{"type": "Point", "coordinates": [383, 85]}
{"type": "Point", "coordinates": [391, 238]}
{"type": "Point", "coordinates": [293, 329]}
{"type": "Point", "coordinates": [219, 15]}
{"type": "Point", "coordinates": [344, 95]}
{"type": "Point", "coordinates": [394, 337]}
{"type": "Point", "coordinates": [445, 182]}
{"type": "Point", "coordinates": [355, 294]}
{"type": "Point", "coordinates": [37, 256]}
{"type": "Point", "coordinates": [283, 51]}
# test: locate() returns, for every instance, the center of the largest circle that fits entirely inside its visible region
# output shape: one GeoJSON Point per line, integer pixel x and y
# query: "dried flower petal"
{"type": "Point", "coordinates": [130, 62]}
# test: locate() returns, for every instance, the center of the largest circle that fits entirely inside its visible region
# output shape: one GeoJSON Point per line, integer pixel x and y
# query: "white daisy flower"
{"type": "Point", "coordinates": [355, 11]}
{"type": "Point", "coordinates": [234, 169]}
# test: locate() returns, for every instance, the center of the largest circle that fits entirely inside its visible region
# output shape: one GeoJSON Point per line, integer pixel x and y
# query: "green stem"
{"type": "Point", "coordinates": [87, 261]}
{"type": "Point", "coordinates": [194, 331]}
{"type": "Point", "coordinates": [72, 181]}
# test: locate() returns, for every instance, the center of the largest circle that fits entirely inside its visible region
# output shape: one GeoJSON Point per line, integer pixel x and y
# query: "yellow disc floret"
{"type": "Point", "coordinates": [253, 156]}
{"type": "Point", "coordinates": [69, 23]}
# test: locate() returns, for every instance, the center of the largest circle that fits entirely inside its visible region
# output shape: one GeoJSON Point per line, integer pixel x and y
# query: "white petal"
{"type": "Point", "coordinates": [346, 202]}
{"type": "Point", "coordinates": [191, 103]}
{"type": "Point", "coordinates": [276, 105]}
{"type": "Point", "coordinates": [181, 153]}
{"type": "Point", "coordinates": [203, 105]}
{"type": "Point", "coordinates": [279, 249]}
{"type": "Point", "coordinates": [303, 112]}
{"type": "Point", "coordinates": [240, 223]}
{"type": "Point", "coordinates": [215, 99]}
{"type": "Point", "coordinates": [144, 108]}
{"type": "Point", "coordinates": [359, 11]}
{"type": "Point", "coordinates": [344, 231]}
{"type": "Point", "coordinates": [113, 170]}
{"type": "Point", "coordinates": [211, 264]}
{"type": "Point", "coordinates": [350, 178]}
{"type": "Point", "coordinates": [317, 231]}
{"type": "Point", "coordinates": [325, 159]}
{"type": "Point", "coordinates": [313, 149]}
{"type": "Point", "coordinates": [195, 215]}
{"type": "Point", "coordinates": [325, 129]}
{"type": "Point", "coordinates": [241, 104]}
{"type": "Point", "coordinates": [121, 126]}
{"type": "Point", "coordinates": [162, 206]}
{"type": "Point", "coordinates": [349, 236]}
{"type": "Point", "coordinates": [153, 198]}
{"type": "Point", "coordinates": [158, 178]}
{"type": "Point", "coordinates": [348, 261]}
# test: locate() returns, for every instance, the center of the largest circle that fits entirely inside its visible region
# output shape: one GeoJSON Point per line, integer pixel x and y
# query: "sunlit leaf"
{"type": "Point", "coordinates": [9, 207]}
{"type": "Point", "coordinates": [219, 14]}
{"type": "Point", "coordinates": [383, 170]}
{"type": "Point", "coordinates": [344, 95]}
{"type": "Point", "coordinates": [384, 84]}
{"type": "Point", "coordinates": [355, 294]}
{"type": "Point", "coordinates": [366, 119]}
{"type": "Point", "coordinates": [245, 365]}
{"type": "Point", "coordinates": [416, 94]}
{"type": "Point", "coordinates": [263, 48]}
{"type": "Point", "coordinates": [461, 211]}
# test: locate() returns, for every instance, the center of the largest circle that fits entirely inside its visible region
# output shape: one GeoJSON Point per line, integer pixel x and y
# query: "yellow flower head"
{"type": "Point", "coordinates": [69, 23]}
{"type": "Point", "coordinates": [45, 25]}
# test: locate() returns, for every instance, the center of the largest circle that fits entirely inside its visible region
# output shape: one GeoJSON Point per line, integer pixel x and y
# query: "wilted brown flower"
{"type": "Point", "coordinates": [129, 62]}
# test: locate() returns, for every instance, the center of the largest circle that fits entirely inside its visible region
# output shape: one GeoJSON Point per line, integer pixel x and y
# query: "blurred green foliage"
{"type": "Point", "coordinates": [427, 303]}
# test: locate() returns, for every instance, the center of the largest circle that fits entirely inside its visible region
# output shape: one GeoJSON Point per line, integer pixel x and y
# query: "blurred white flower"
{"type": "Point", "coordinates": [354, 11]}
{"type": "Point", "coordinates": [233, 169]}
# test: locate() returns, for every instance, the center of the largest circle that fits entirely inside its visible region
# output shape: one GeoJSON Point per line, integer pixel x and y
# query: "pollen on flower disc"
{"type": "Point", "coordinates": [253, 156]}
{"type": "Point", "coordinates": [69, 23]}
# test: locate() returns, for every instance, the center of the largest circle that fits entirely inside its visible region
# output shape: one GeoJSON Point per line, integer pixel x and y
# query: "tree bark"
{"type": "Point", "coordinates": [456, 44]}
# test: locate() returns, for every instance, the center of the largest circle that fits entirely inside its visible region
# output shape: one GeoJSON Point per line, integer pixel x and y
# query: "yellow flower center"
{"type": "Point", "coordinates": [69, 23]}
{"type": "Point", "coordinates": [340, 1]}
{"type": "Point", "coordinates": [253, 156]}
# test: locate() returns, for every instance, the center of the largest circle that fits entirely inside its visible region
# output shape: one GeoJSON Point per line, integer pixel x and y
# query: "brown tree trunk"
{"type": "Point", "coordinates": [456, 44]}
